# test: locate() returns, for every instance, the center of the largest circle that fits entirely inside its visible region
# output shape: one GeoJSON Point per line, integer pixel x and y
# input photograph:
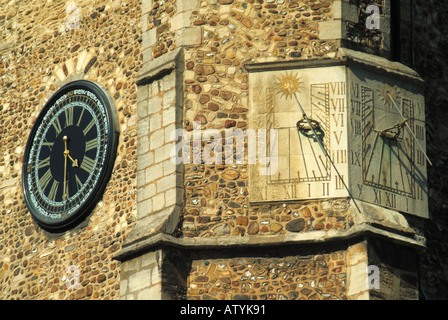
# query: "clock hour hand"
{"type": "Point", "coordinates": [75, 161]}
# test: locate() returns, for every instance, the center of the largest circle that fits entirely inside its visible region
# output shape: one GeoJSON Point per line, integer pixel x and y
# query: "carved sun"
{"type": "Point", "coordinates": [288, 84]}
{"type": "Point", "coordinates": [388, 94]}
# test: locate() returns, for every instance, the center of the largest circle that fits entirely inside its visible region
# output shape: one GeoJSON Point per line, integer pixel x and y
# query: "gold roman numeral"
{"type": "Point", "coordinates": [91, 144]}
{"type": "Point", "coordinates": [89, 126]}
{"type": "Point", "coordinates": [69, 116]}
{"type": "Point", "coordinates": [80, 117]}
{"type": "Point", "coordinates": [44, 163]}
{"type": "Point", "coordinates": [45, 179]}
{"type": "Point", "coordinates": [87, 164]}
{"type": "Point", "coordinates": [78, 182]}
{"type": "Point", "coordinates": [53, 190]}
{"type": "Point", "coordinates": [57, 126]}
{"type": "Point", "coordinates": [48, 144]}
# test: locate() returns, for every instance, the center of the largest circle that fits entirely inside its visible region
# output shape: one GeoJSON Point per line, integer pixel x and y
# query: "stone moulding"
{"type": "Point", "coordinates": [365, 230]}
{"type": "Point", "coordinates": [344, 57]}
{"type": "Point", "coordinates": [373, 222]}
{"type": "Point", "coordinates": [157, 68]}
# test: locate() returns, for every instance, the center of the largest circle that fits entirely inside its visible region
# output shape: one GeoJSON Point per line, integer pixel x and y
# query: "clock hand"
{"type": "Point", "coordinates": [75, 161]}
{"type": "Point", "coordinates": [409, 129]}
{"type": "Point", "coordinates": [310, 124]}
{"type": "Point", "coordinates": [64, 195]}
{"type": "Point", "coordinates": [67, 154]}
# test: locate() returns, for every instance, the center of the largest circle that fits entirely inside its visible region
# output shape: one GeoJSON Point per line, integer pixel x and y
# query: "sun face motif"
{"type": "Point", "coordinates": [388, 95]}
{"type": "Point", "coordinates": [288, 84]}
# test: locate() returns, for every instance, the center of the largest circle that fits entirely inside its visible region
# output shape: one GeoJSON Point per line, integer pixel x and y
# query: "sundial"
{"type": "Point", "coordinates": [342, 131]}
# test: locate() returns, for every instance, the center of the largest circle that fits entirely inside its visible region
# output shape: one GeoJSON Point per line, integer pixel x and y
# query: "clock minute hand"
{"type": "Point", "coordinates": [64, 195]}
{"type": "Point", "coordinates": [409, 129]}
{"type": "Point", "coordinates": [322, 147]}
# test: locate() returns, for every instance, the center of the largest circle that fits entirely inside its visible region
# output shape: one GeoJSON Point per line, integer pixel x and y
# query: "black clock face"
{"type": "Point", "coordinates": [70, 155]}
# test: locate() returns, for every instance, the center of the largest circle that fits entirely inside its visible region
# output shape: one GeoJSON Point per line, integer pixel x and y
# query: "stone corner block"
{"type": "Point", "coordinates": [331, 30]}
{"type": "Point", "coordinates": [189, 36]}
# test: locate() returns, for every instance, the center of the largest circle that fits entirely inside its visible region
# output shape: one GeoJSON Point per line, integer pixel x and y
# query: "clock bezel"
{"type": "Point", "coordinates": [95, 196]}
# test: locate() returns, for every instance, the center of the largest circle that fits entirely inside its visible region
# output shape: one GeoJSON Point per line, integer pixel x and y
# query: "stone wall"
{"type": "Point", "coordinates": [375, 41]}
{"type": "Point", "coordinates": [159, 180]}
{"type": "Point", "coordinates": [311, 277]}
{"type": "Point", "coordinates": [144, 281]}
{"type": "Point", "coordinates": [230, 218]}
{"type": "Point", "coordinates": [216, 94]}
{"type": "Point", "coordinates": [44, 45]}
{"type": "Point", "coordinates": [398, 271]}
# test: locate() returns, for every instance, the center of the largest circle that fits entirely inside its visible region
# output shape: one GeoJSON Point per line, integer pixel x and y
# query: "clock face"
{"type": "Point", "coordinates": [69, 155]}
{"type": "Point", "coordinates": [369, 141]}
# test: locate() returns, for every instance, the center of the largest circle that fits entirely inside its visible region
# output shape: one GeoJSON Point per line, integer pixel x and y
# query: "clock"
{"type": "Point", "coordinates": [70, 155]}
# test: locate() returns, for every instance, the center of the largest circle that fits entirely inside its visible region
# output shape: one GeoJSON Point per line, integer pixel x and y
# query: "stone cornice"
{"type": "Point", "coordinates": [290, 239]}
{"type": "Point", "coordinates": [156, 68]}
{"type": "Point", "coordinates": [344, 57]}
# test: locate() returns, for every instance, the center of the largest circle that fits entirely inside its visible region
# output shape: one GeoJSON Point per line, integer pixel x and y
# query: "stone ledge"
{"type": "Point", "coordinates": [345, 57]}
{"type": "Point", "coordinates": [158, 67]}
{"type": "Point", "coordinates": [315, 237]}
{"type": "Point", "coordinates": [378, 63]}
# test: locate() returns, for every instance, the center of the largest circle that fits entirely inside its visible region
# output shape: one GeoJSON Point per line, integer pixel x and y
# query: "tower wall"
{"type": "Point", "coordinates": [190, 230]}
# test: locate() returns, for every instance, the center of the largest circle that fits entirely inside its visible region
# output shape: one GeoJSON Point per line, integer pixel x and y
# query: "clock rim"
{"type": "Point", "coordinates": [113, 136]}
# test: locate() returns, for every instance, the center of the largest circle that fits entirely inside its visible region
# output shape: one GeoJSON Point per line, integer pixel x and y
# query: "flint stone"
{"type": "Point", "coordinates": [296, 225]}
